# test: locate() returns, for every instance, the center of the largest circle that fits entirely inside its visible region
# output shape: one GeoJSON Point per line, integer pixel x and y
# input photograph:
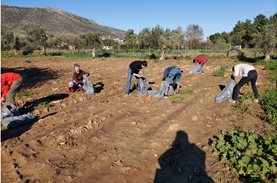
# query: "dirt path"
{"type": "Point", "coordinates": [108, 137]}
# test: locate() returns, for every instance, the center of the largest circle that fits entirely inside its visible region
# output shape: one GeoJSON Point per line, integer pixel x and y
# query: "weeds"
{"type": "Point", "coordinates": [23, 93]}
{"type": "Point", "coordinates": [220, 72]}
{"type": "Point", "coordinates": [178, 97]}
{"type": "Point", "coordinates": [269, 105]}
{"type": "Point", "coordinates": [45, 105]}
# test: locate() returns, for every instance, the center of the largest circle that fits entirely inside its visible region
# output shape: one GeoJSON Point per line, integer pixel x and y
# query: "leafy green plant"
{"type": "Point", "coordinates": [269, 105]}
{"type": "Point", "coordinates": [219, 72]}
{"type": "Point", "coordinates": [251, 156]}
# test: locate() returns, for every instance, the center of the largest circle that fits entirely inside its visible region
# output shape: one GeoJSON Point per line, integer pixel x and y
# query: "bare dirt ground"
{"type": "Point", "coordinates": [108, 137]}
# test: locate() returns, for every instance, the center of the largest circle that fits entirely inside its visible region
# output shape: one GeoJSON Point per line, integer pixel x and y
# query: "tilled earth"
{"type": "Point", "coordinates": [108, 137]}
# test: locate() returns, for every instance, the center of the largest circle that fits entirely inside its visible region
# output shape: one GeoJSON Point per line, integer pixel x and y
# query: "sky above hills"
{"type": "Point", "coordinates": [213, 16]}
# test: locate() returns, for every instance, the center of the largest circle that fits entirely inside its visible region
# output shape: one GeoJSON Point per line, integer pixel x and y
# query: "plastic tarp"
{"type": "Point", "coordinates": [196, 69]}
{"type": "Point", "coordinates": [160, 93]}
{"type": "Point", "coordinates": [143, 86]}
{"type": "Point", "coordinates": [88, 86]}
{"type": "Point", "coordinates": [226, 93]}
{"type": "Point", "coordinates": [11, 118]}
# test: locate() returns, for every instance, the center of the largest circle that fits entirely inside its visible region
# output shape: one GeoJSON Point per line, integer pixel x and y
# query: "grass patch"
{"type": "Point", "coordinates": [45, 105]}
{"type": "Point", "coordinates": [23, 93]}
{"type": "Point", "coordinates": [178, 97]}
{"type": "Point", "coordinates": [220, 72]}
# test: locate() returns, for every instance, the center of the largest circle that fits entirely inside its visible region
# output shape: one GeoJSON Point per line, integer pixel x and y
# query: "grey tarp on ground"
{"type": "Point", "coordinates": [143, 86]}
{"type": "Point", "coordinates": [11, 118]}
{"type": "Point", "coordinates": [88, 86]}
{"type": "Point", "coordinates": [226, 93]}
{"type": "Point", "coordinates": [196, 69]}
{"type": "Point", "coordinates": [160, 93]}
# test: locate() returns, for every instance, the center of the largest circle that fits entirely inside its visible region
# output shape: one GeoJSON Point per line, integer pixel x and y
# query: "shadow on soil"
{"type": "Point", "coordinates": [32, 76]}
{"type": "Point", "coordinates": [98, 87]}
{"type": "Point", "coordinates": [30, 106]}
{"type": "Point", "coordinates": [182, 163]}
{"type": "Point", "coordinates": [18, 131]}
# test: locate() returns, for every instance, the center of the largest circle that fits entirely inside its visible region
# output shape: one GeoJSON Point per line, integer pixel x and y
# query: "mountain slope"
{"type": "Point", "coordinates": [52, 20]}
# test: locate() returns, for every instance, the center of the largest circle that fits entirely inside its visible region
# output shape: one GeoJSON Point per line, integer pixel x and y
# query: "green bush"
{"type": "Point", "coordinates": [152, 56]}
{"type": "Point", "coordinates": [102, 53]}
{"type": "Point", "coordinates": [269, 105]}
{"type": "Point", "coordinates": [219, 72]}
{"type": "Point", "coordinates": [249, 155]}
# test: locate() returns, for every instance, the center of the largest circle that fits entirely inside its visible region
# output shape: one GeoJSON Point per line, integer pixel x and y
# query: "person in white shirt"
{"type": "Point", "coordinates": [248, 74]}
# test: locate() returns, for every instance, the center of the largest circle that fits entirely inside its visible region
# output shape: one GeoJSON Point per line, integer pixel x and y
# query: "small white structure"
{"type": "Point", "coordinates": [107, 47]}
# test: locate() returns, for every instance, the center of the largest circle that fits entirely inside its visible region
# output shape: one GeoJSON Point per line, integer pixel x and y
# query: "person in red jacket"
{"type": "Point", "coordinates": [10, 83]}
{"type": "Point", "coordinates": [201, 59]}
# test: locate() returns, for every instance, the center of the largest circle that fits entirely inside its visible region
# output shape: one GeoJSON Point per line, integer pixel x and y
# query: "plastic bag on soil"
{"type": "Point", "coordinates": [196, 69]}
{"type": "Point", "coordinates": [226, 93]}
{"type": "Point", "coordinates": [144, 86]}
{"type": "Point", "coordinates": [88, 86]}
{"type": "Point", "coordinates": [11, 118]}
{"type": "Point", "coordinates": [160, 93]}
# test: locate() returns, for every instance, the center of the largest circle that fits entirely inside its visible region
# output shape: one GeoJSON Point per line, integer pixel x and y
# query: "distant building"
{"type": "Point", "coordinates": [107, 47]}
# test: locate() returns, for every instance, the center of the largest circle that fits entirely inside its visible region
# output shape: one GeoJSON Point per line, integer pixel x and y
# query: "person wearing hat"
{"type": "Point", "coordinates": [172, 76]}
{"type": "Point", "coordinates": [10, 83]}
{"type": "Point", "coordinates": [77, 78]}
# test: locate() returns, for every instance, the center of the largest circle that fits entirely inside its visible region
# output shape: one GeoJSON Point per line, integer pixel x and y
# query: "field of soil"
{"type": "Point", "coordinates": [108, 137]}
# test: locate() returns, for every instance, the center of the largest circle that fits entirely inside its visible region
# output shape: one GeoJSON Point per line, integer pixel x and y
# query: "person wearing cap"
{"type": "Point", "coordinates": [77, 78]}
{"type": "Point", "coordinates": [10, 83]}
{"type": "Point", "coordinates": [135, 68]}
{"type": "Point", "coordinates": [172, 76]}
{"type": "Point", "coordinates": [248, 74]}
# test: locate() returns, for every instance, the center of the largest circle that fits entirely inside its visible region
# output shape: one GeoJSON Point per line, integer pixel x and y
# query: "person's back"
{"type": "Point", "coordinates": [242, 69]}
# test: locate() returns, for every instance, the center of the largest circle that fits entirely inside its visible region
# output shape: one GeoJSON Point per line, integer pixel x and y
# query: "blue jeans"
{"type": "Point", "coordinates": [129, 80]}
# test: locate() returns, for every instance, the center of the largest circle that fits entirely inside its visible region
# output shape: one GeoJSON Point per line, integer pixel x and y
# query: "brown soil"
{"type": "Point", "coordinates": [108, 137]}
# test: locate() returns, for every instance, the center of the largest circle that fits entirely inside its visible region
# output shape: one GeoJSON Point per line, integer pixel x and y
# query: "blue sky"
{"type": "Point", "coordinates": [212, 15]}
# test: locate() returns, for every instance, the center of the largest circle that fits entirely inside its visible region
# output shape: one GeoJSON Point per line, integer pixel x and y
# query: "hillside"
{"type": "Point", "coordinates": [52, 20]}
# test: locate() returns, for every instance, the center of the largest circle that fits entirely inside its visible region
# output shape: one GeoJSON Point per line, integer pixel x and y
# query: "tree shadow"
{"type": "Point", "coordinates": [30, 106]}
{"type": "Point", "coordinates": [18, 131]}
{"type": "Point", "coordinates": [98, 87]}
{"type": "Point", "coordinates": [244, 58]}
{"type": "Point", "coordinates": [182, 163]}
{"type": "Point", "coordinates": [32, 76]}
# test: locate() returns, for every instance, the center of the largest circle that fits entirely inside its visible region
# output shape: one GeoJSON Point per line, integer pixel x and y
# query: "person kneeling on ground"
{"type": "Point", "coordinates": [78, 79]}
{"type": "Point", "coordinates": [201, 59]}
{"type": "Point", "coordinates": [10, 83]}
{"type": "Point", "coordinates": [172, 76]}
{"type": "Point", "coordinates": [248, 74]}
{"type": "Point", "coordinates": [135, 68]}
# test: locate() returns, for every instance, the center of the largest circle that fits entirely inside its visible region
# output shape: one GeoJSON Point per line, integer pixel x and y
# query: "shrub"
{"type": "Point", "coordinates": [102, 53]}
{"type": "Point", "coordinates": [153, 56]}
{"type": "Point", "coordinates": [249, 155]}
{"type": "Point", "coordinates": [219, 72]}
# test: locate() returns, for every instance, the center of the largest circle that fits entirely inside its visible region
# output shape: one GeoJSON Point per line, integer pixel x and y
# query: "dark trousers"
{"type": "Point", "coordinates": [252, 77]}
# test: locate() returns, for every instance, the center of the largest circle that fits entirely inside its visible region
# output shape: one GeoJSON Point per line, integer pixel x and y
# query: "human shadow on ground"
{"type": "Point", "coordinates": [18, 131]}
{"type": "Point", "coordinates": [182, 163]}
{"type": "Point", "coordinates": [98, 87]}
{"type": "Point", "coordinates": [32, 76]}
{"type": "Point", "coordinates": [30, 106]}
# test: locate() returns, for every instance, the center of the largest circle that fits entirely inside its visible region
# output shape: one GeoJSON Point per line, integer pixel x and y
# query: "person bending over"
{"type": "Point", "coordinates": [135, 68]}
{"type": "Point", "coordinates": [248, 74]}
{"type": "Point", "coordinates": [172, 76]}
{"type": "Point", "coordinates": [10, 83]}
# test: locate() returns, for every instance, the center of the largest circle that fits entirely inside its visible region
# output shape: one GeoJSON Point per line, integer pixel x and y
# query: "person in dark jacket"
{"type": "Point", "coordinates": [135, 69]}
{"type": "Point", "coordinates": [77, 78]}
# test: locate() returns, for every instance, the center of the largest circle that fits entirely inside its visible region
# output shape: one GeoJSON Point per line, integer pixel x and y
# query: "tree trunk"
{"type": "Point", "coordinates": [162, 54]}
{"type": "Point", "coordinates": [43, 50]}
{"type": "Point", "coordinates": [267, 57]}
{"type": "Point", "coordinates": [93, 53]}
